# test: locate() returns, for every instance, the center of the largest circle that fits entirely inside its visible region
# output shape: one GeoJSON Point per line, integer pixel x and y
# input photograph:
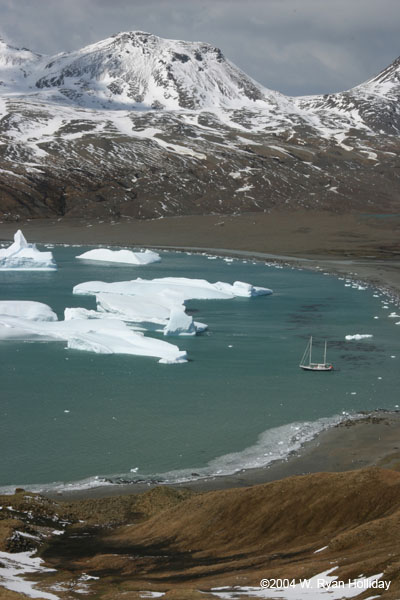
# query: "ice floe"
{"type": "Point", "coordinates": [162, 301]}
{"type": "Point", "coordinates": [188, 289]}
{"type": "Point", "coordinates": [102, 336]}
{"type": "Point", "coordinates": [21, 256]}
{"type": "Point", "coordinates": [180, 323]}
{"type": "Point", "coordinates": [123, 257]}
{"type": "Point", "coordinates": [27, 309]}
{"type": "Point", "coordinates": [358, 336]}
{"type": "Point", "coordinates": [165, 309]}
{"type": "Point", "coordinates": [124, 311]}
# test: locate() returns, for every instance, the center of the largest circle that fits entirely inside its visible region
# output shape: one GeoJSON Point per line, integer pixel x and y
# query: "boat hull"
{"type": "Point", "coordinates": [321, 367]}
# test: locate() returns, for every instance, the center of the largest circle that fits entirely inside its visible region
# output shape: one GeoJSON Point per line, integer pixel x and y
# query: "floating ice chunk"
{"type": "Point", "coordinates": [162, 309]}
{"type": "Point", "coordinates": [103, 336]}
{"type": "Point", "coordinates": [21, 256]}
{"type": "Point", "coordinates": [180, 323]}
{"type": "Point", "coordinates": [200, 327]}
{"type": "Point", "coordinates": [359, 336]}
{"type": "Point", "coordinates": [73, 313]}
{"type": "Point", "coordinates": [139, 309]}
{"type": "Point", "coordinates": [109, 339]}
{"type": "Point", "coordinates": [124, 257]}
{"type": "Point", "coordinates": [188, 289]}
{"type": "Point", "coordinates": [33, 311]}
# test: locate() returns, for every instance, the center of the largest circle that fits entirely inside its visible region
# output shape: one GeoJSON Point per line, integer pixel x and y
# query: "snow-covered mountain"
{"type": "Point", "coordinates": [373, 104]}
{"type": "Point", "coordinates": [16, 65]}
{"type": "Point", "coordinates": [136, 125]}
{"type": "Point", "coordinates": [133, 70]}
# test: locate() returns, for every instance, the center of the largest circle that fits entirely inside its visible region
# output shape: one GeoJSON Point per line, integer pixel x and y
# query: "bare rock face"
{"type": "Point", "coordinates": [139, 126]}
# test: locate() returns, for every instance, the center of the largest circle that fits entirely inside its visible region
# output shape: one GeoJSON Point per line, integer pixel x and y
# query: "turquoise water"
{"type": "Point", "coordinates": [169, 421]}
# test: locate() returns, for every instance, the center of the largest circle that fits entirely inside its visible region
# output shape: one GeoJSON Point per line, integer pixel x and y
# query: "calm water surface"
{"type": "Point", "coordinates": [131, 417]}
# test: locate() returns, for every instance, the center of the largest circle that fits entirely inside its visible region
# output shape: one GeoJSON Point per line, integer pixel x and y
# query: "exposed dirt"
{"type": "Point", "coordinates": [180, 543]}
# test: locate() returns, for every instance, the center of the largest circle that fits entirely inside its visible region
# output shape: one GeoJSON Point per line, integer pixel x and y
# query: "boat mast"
{"type": "Point", "coordinates": [325, 354]}
{"type": "Point", "coordinates": [310, 349]}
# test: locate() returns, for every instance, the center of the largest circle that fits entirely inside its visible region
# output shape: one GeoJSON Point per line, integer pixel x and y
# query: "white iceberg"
{"type": "Point", "coordinates": [162, 301]}
{"type": "Point", "coordinates": [180, 323]}
{"type": "Point", "coordinates": [136, 309]}
{"type": "Point", "coordinates": [160, 309]}
{"type": "Point", "coordinates": [27, 309]}
{"type": "Point", "coordinates": [358, 336]}
{"type": "Point", "coordinates": [123, 257]}
{"type": "Point", "coordinates": [104, 336]}
{"type": "Point", "coordinates": [73, 313]}
{"type": "Point", "coordinates": [21, 256]}
{"type": "Point", "coordinates": [185, 288]}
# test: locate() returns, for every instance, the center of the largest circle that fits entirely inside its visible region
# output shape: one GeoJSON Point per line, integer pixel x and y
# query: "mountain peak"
{"type": "Point", "coordinates": [136, 69]}
{"type": "Point", "coordinates": [16, 64]}
{"type": "Point", "coordinates": [390, 74]}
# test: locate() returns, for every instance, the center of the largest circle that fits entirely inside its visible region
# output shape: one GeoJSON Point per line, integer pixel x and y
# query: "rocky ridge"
{"type": "Point", "coordinates": [138, 126]}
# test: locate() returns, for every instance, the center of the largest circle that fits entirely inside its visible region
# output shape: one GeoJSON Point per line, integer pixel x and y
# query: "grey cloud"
{"type": "Point", "coordinates": [294, 46]}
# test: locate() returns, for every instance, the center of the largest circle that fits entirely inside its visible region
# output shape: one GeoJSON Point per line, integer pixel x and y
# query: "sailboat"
{"type": "Point", "coordinates": [307, 364]}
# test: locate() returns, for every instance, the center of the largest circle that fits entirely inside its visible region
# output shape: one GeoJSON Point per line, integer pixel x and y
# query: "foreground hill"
{"type": "Point", "coordinates": [176, 543]}
{"type": "Point", "coordinates": [138, 126]}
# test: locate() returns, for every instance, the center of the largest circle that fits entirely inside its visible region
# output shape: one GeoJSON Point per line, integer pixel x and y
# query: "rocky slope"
{"type": "Point", "coordinates": [176, 543]}
{"type": "Point", "coordinates": [138, 126]}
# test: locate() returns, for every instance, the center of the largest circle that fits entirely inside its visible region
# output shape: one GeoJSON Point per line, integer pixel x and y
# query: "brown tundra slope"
{"type": "Point", "coordinates": [179, 543]}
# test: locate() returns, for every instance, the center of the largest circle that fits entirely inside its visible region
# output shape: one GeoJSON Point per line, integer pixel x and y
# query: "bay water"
{"type": "Point", "coordinates": [73, 418]}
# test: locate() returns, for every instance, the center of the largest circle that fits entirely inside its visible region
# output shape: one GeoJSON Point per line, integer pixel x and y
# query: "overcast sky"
{"type": "Point", "coordinates": [294, 46]}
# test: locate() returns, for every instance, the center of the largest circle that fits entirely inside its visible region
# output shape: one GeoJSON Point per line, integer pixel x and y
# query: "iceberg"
{"type": "Point", "coordinates": [162, 301]}
{"type": "Point", "coordinates": [103, 336]}
{"type": "Point", "coordinates": [137, 309]}
{"type": "Point", "coordinates": [27, 309]}
{"type": "Point", "coordinates": [123, 257]}
{"type": "Point", "coordinates": [185, 288]}
{"type": "Point", "coordinates": [180, 323]}
{"type": "Point", "coordinates": [21, 256]}
{"type": "Point", "coordinates": [161, 309]}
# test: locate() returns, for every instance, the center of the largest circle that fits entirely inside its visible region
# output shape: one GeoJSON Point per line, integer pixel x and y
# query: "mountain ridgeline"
{"type": "Point", "coordinates": [140, 126]}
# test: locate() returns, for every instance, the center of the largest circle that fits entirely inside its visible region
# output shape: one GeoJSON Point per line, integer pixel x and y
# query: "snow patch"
{"type": "Point", "coordinates": [12, 566]}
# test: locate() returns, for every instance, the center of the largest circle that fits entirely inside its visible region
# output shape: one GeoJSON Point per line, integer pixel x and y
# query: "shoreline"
{"type": "Point", "coordinates": [369, 440]}
{"type": "Point", "coordinates": [363, 247]}
{"type": "Point", "coordinates": [338, 448]}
